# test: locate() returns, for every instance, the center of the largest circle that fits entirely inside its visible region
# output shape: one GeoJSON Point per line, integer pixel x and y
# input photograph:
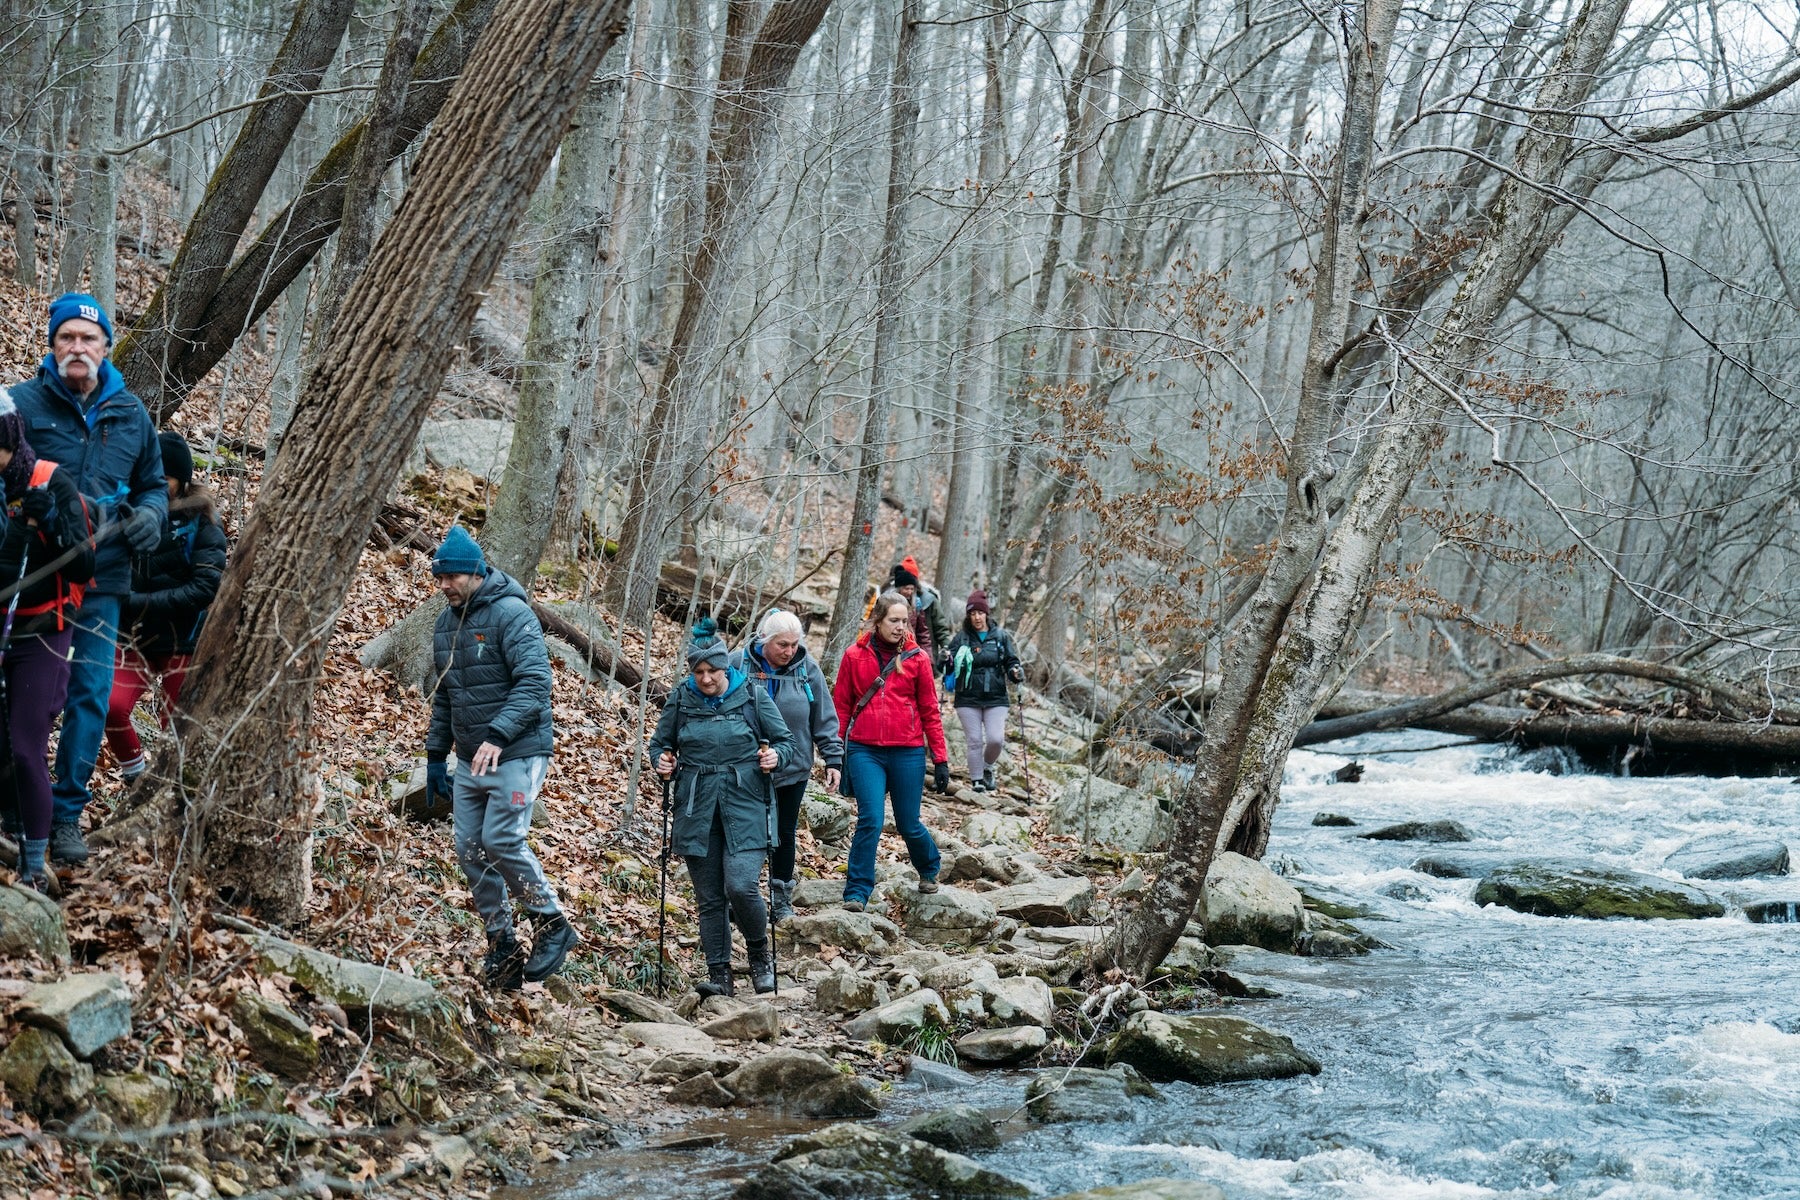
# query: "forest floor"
{"type": "Point", "coordinates": [549, 1077]}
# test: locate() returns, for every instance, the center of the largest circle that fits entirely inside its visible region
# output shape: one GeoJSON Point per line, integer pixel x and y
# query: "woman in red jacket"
{"type": "Point", "coordinates": [887, 706]}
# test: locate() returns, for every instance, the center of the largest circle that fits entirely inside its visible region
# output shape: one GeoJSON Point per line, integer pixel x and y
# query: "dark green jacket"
{"type": "Point", "coordinates": [715, 749]}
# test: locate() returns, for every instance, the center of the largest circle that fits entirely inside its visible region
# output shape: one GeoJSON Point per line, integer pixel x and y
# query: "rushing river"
{"type": "Point", "coordinates": [1487, 1054]}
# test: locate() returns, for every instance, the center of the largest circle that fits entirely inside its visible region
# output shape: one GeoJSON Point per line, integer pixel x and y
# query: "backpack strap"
{"type": "Point", "coordinates": [862, 701]}
{"type": "Point", "coordinates": [41, 470]}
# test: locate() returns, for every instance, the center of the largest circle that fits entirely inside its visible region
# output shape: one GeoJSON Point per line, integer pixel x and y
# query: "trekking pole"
{"type": "Point", "coordinates": [662, 891]}
{"type": "Point", "coordinates": [774, 835]}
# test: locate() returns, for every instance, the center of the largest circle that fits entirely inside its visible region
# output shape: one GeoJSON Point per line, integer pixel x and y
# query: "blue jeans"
{"type": "Point", "coordinates": [876, 773]}
{"type": "Point", "coordinates": [84, 716]}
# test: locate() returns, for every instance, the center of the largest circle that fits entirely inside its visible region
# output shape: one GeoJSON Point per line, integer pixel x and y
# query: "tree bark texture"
{"type": "Point", "coordinates": [903, 101]}
{"type": "Point", "coordinates": [162, 369]}
{"type": "Point", "coordinates": [244, 766]}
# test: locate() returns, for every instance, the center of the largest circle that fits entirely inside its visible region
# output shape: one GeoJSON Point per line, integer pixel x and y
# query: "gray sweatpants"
{"type": "Point", "coordinates": [985, 731]}
{"type": "Point", "coordinates": [720, 879]}
{"type": "Point", "coordinates": [492, 813]}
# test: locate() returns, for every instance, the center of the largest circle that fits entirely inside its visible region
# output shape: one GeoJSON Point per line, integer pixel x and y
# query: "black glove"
{"type": "Point", "coordinates": [940, 777]}
{"type": "Point", "coordinates": [844, 788]}
{"type": "Point", "coordinates": [437, 780]}
{"type": "Point", "coordinates": [1016, 673]}
{"type": "Point", "coordinates": [37, 504]}
{"type": "Point", "coordinates": [143, 527]}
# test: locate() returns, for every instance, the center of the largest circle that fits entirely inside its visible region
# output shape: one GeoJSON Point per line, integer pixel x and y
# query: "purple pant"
{"type": "Point", "coordinates": [37, 683]}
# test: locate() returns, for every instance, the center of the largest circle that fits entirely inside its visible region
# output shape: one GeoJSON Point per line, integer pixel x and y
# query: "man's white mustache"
{"type": "Point", "coordinates": [62, 364]}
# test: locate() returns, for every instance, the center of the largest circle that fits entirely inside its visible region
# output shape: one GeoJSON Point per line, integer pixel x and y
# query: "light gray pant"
{"type": "Point", "coordinates": [985, 731]}
{"type": "Point", "coordinates": [492, 813]}
{"type": "Point", "coordinates": [722, 878]}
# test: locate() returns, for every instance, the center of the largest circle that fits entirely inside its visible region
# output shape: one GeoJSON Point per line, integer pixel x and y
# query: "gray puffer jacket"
{"type": "Point", "coordinates": [804, 698]}
{"type": "Point", "coordinates": [491, 675]}
{"type": "Point", "coordinates": [716, 774]}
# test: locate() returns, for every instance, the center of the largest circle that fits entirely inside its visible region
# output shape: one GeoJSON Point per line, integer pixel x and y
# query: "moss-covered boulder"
{"type": "Point", "coordinates": [31, 924]}
{"type": "Point", "coordinates": [411, 1005]}
{"type": "Point", "coordinates": [1206, 1050]}
{"type": "Point", "coordinates": [135, 1101]}
{"type": "Point", "coordinates": [279, 1038]}
{"type": "Point", "coordinates": [41, 1075]}
{"type": "Point", "coordinates": [857, 1161]}
{"type": "Point", "coordinates": [1085, 1095]}
{"type": "Point", "coordinates": [1150, 1189]}
{"type": "Point", "coordinates": [1592, 891]}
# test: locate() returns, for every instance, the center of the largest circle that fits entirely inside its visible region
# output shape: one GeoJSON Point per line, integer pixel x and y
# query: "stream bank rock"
{"type": "Point", "coordinates": [894, 1021]}
{"type": "Point", "coordinates": [1044, 902]}
{"type": "Point", "coordinates": [1114, 815]}
{"type": "Point", "coordinates": [31, 923]}
{"type": "Point", "coordinates": [1420, 831]}
{"type": "Point", "coordinates": [412, 1005]}
{"type": "Point", "coordinates": [1729, 856]}
{"type": "Point", "coordinates": [1206, 1050]}
{"type": "Point", "coordinates": [800, 1082]}
{"type": "Point", "coordinates": [1592, 891]}
{"type": "Point", "coordinates": [1150, 1189]}
{"type": "Point", "coordinates": [857, 1161]}
{"type": "Point", "coordinates": [958, 1129]}
{"type": "Point", "coordinates": [1062, 1094]}
{"type": "Point", "coordinates": [1246, 904]}
{"type": "Point", "coordinates": [1001, 1047]}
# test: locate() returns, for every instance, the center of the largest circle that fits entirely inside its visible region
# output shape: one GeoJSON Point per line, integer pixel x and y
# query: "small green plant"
{"type": "Point", "coordinates": [932, 1042]}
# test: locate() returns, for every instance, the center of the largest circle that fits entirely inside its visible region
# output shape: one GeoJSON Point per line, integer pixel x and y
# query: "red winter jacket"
{"type": "Point", "coordinates": [903, 713]}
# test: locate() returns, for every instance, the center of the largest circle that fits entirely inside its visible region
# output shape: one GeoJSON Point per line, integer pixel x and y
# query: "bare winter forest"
{"type": "Point", "coordinates": [1260, 361]}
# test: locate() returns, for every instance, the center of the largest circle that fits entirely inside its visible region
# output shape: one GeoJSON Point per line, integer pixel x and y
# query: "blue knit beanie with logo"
{"type": "Point", "coordinates": [72, 305]}
{"type": "Point", "coordinates": [459, 555]}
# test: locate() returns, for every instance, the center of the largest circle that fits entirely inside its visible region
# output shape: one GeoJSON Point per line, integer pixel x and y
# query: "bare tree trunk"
{"type": "Point", "coordinates": [752, 81]}
{"type": "Point", "coordinates": [161, 368]}
{"type": "Point", "coordinates": [259, 660]}
{"type": "Point", "coordinates": [903, 109]}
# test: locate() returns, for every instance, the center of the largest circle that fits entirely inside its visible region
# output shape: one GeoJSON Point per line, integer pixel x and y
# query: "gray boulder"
{"type": "Point", "coordinates": [745, 1023]}
{"type": "Point", "coordinates": [673, 1068]}
{"type": "Point", "coordinates": [1459, 866]}
{"type": "Point", "coordinates": [1729, 856]}
{"type": "Point", "coordinates": [1001, 1047]}
{"type": "Point", "coordinates": [1246, 904]}
{"type": "Point", "coordinates": [1085, 1094]}
{"type": "Point", "coordinates": [996, 829]}
{"type": "Point", "coordinates": [1420, 831]}
{"type": "Point", "coordinates": [947, 915]}
{"type": "Point", "coordinates": [278, 1037]}
{"type": "Point", "coordinates": [869, 932]}
{"type": "Point", "coordinates": [830, 820]}
{"type": "Point", "coordinates": [669, 1039]}
{"type": "Point", "coordinates": [1205, 1049]}
{"type": "Point", "coordinates": [800, 1082]}
{"type": "Point", "coordinates": [1332, 820]}
{"type": "Point", "coordinates": [87, 1011]}
{"type": "Point", "coordinates": [703, 1090]}
{"type": "Point", "coordinates": [1045, 901]}
{"type": "Point", "coordinates": [477, 445]}
{"type": "Point", "coordinates": [1150, 1189]}
{"type": "Point", "coordinates": [858, 1161]}
{"type": "Point", "coordinates": [412, 1005]}
{"type": "Point", "coordinates": [847, 992]}
{"type": "Point", "coordinates": [818, 893]}
{"type": "Point", "coordinates": [896, 1019]}
{"type": "Point", "coordinates": [959, 1129]}
{"type": "Point", "coordinates": [31, 924]}
{"type": "Point", "coordinates": [1773, 912]}
{"type": "Point", "coordinates": [1594, 892]}
{"type": "Point", "coordinates": [1114, 815]}
{"type": "Point", "coordinates": [41, 1074]}
{"type": "Point", "coordinates": [636, 1007]}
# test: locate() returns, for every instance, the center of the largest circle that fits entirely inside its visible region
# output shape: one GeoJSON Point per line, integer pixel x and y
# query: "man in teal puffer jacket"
{"type": "Point", "coordinates": [490, 702]}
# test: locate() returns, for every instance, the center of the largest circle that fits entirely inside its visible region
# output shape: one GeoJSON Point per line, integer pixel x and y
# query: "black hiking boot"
{"type": "Point", "coordinates": [987, 779]}
{"type": "Point", "coordinates": [503, 970]}
{"type": "Point", "coordinates": [67, 845]}
{"type": "Point", "coordinates": [762, 965]}
{"type": "Point", "coordinates": [718, 981]}
{"type": "Point", "coordinates": [552, 937]}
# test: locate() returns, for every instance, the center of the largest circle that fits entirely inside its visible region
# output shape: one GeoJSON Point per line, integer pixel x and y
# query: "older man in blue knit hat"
{"type": "Point", "coordinates": [490, 702]}
{"type": "Point", "coordinates": [79, 413]}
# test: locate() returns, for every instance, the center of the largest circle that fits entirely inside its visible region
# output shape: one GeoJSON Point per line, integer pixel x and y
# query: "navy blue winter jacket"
{"type": "Point", "coordinates": [110, 450]}
{"type": "Point", "coordinates": [490, 675]}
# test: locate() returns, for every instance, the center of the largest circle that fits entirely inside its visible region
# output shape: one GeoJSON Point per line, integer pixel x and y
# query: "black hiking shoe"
{"type": "Point", "coordinates": [762, 965]}
{"type": "Point", "coordinates": [552, 937]}
{"type": "Point", "coordinates": [987, 779]}
{"type": "Point", "coordinates": [718, 981]}
{"type": "Point", "coordinates": [503, 970]}
{"type": "Point", "coordinates": [67, 845]}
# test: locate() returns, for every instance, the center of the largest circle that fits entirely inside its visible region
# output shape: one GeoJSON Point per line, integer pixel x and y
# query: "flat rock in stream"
{"type": "Point", "coordinates": [858, 1161]}
{"type": "Point", "coordinates": [1085, 1094]}
{"type": "Point", "coordinates": [1773, 912]}
{"type": "Point", "coordinates": [1420, 831]}
{"type": "Point", "coordinates": [958, 1129]}
{"type": "Point", "coordinates": [1206, 1049]}
{"type": "Point", "coordinates": [1150, 1189]}
{"type": "Point", "coordinates": [801, 1082]}
{"type": "Point", "coordinates": [1592, 891]}
{"type": "Point", "coordinates": [1460, 866]}
{"type": "Point", "coordinates": [1729, 856]}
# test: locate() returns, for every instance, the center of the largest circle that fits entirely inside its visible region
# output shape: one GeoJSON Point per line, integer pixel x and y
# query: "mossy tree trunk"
{"type": "Point", "coordinates": [244, 767]}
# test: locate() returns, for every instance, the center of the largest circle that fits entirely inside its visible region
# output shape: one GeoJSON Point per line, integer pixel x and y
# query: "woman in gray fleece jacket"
{"type": "Point", "coordinates": [776, 661]}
